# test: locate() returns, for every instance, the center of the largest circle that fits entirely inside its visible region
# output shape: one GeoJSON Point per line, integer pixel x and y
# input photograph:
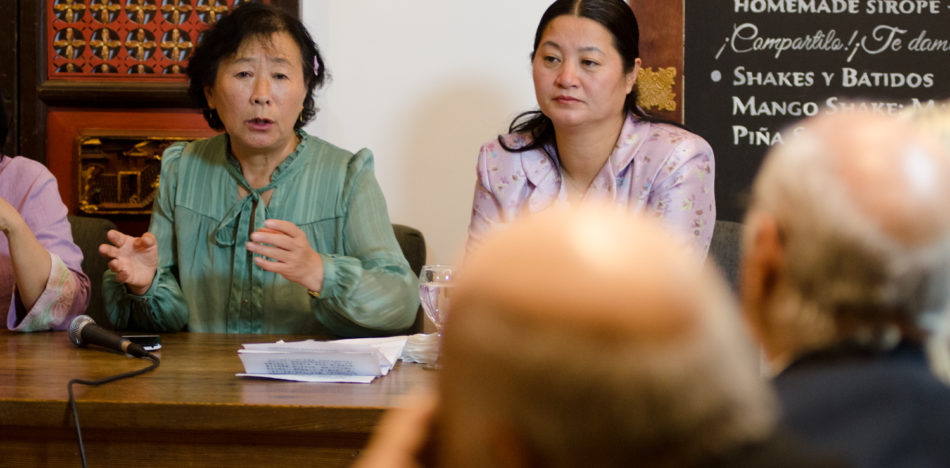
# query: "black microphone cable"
{"type": "Point", "coordinates": [95, 383]}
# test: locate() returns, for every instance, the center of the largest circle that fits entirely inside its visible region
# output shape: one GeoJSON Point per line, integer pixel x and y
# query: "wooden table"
{"type": "Point", "coordinates": [190, 411]}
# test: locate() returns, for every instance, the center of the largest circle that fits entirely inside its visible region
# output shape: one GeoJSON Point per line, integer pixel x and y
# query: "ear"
{"type": "Point", "coordinates": [763, 261]}
{"type": "Point", "coordinates": [631, 78]}
{"type": "Point", "coordinates": [209, 96]}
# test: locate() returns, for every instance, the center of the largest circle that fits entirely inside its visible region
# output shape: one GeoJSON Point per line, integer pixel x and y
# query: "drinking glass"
{"type": "Point", "coordinates": [435, 288]}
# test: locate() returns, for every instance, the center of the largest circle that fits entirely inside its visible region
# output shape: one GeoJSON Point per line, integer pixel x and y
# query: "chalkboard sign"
{"type": "Point", "coordinates": [754, 67]}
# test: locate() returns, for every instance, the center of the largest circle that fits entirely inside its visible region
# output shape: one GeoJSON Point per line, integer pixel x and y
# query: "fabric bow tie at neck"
{"type": "Point", "coordinates": [234, 227]}
{"type": "Point", "coordinates": [240, 211]}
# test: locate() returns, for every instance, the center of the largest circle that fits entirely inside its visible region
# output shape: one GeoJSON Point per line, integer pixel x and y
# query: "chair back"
{"type": "Point", "coordinates": [724, 250]}
{"type": "Point", "coordinates": [413, 246]}
{"type": "Point", "coordinates": [88, 233]}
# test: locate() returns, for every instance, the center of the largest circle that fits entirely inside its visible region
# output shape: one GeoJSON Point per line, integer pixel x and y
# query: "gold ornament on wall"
{"type": "Point", "coordinates": [118, 173]}
{"type": "Point", "coordinates": [656, 88]}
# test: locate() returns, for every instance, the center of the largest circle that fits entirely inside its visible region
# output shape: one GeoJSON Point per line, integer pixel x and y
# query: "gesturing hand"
{"type": "Point", "coordinates": [288, 253]}
{"type": "Point", "coordinates": [134, 259]}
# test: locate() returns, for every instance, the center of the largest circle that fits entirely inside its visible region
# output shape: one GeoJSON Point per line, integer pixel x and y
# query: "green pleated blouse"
{"type": "Point", "coordinates": [206, 279]}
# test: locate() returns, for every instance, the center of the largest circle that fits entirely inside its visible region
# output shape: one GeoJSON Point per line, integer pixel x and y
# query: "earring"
{"type": "Point", "coordinates": [214, 120]}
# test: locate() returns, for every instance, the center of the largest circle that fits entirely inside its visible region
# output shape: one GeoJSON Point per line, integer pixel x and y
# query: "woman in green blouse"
{"type": "Point", "coordinates": [263, 229]}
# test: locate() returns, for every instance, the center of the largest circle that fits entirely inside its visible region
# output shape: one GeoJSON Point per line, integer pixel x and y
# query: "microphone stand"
{"type": "Point", "coordinates": [95, 383]}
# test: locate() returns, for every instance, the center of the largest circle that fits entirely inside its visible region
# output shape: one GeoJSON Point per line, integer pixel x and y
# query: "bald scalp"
{"type": "Point", "coordinates": [592, 337]}
{"type": "Point", "coordinates": [892, 172]}
{"type": "Point", "coordinates": [602, 261]}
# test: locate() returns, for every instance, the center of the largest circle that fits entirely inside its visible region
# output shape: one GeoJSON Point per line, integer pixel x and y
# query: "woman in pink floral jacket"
{"type": "Point", "coordinates": [42, 285]}
{"type": "Point", "coordinates": [589, 140]}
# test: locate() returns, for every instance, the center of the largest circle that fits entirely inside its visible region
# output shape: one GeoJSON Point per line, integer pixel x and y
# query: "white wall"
{"type": "Point", "coordinates": [423, 83]}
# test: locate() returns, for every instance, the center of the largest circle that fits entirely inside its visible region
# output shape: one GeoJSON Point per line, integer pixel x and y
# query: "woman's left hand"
{"type": "Point", "coordinates": [288, 253]}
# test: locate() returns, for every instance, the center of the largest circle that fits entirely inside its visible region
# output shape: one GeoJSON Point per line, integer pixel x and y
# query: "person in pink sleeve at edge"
{"type": "Point", "coordinates": [589, 140]}
{"type": "Point", "coordinates": [42, 286]}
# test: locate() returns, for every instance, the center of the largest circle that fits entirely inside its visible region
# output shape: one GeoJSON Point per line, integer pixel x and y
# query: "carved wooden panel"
{"type": "Point", "coordinates": [113, 39]}
{"type": "Point", "coordinates": [661, 50]}
{"type": "Point", "coordinates": [118, 171]}
{"type": "Point", "coordinates": [55, 53]}
{"type": "Point", "coordinates": [106, 161]}
{"type": "Point", "coordinates": [109, 93]}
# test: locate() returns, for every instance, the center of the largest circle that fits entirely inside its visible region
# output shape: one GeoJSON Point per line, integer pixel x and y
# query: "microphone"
{"type": "Point", "coordinates": [83, 330]}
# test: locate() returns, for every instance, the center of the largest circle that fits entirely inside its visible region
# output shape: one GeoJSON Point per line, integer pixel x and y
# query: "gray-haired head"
{"type": "Point", "coordinates": [857, 203]}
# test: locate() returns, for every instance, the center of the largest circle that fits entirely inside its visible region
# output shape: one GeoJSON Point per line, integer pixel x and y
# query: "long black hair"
{"type": "Point", "coordinates": [614, 15]}
{"type": "Point", "coordinates": [4, 125]}
{"type": "Point", "coordinates": [223, 40]}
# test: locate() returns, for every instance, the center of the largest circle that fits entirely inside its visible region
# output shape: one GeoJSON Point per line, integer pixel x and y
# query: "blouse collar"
{"type": "Point", "coordinates": [237, 220]}
{"type": "Point", "coordinates": [542, 167]}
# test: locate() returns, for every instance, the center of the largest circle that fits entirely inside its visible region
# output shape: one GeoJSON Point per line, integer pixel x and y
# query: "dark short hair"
{"type": "Point", "coordinates": [251, 20]}
{"type": "Point", "coordinates": [618, 18]}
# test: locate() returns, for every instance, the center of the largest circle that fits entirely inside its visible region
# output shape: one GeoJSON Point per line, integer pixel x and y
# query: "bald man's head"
{"type": "Point", "coordinates": [598, 261]}
{"type": "Point", "coordinates": [591, 331]}
{"type": "Point", "coordinates": [848, 231]}
{"type": "Point", "coordinates": [895, 176]}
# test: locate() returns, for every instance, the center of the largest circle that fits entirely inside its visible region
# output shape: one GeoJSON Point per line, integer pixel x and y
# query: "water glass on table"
{"type": "Point", "coordinates": [435, 288]}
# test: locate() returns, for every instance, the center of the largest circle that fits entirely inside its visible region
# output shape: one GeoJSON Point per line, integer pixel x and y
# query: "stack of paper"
{"type": "Point", "coordinates": [355, 360]}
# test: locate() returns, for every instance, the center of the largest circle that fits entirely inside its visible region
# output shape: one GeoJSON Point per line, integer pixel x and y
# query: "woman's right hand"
{"type": "Point", "coordinates": [10, 218]}
{"type": "Point", "coordinates": [134, 259]}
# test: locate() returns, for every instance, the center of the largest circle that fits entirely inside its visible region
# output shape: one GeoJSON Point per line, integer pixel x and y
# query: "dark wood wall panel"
{"type": "Point", "coordinates": [31, 110]}
{"type": "Point", "coordinates": [661, 44]}
{"type": "Point", "coordinates": [8, 70]}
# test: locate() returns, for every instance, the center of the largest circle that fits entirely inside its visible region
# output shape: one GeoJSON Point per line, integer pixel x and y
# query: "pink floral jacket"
{"type": "Point", "coordinates": [656, 168]}
{"type": "Point", "coordinates": [30, 188]}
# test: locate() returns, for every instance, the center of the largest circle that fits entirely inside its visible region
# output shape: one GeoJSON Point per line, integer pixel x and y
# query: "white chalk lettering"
{"type": "Point", "coordinates": [743, 77]}
{"type": "Point", "coordinates": [833, 105]}
{"type": "Point", "coordinates": [828, 76]}
{"type": "Point", "coordinates": [797, 6]}
{"type": "Point", "coordinates": [852, 78]}
{"type": "Point", "coordinates": [902, 7]}
{"type": "Point", "coordinates": [773, 108]}
{"type": "Point", "coordinates": [930, 104]}
{"type": "Point", "coordinates": [922, 43]}
{"type": "Point", "coordinates": [761, 137]}
{"type": "Point", "coordinates": [883, 38]}
{"type": "Point", "coordinates": [745, 38]}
